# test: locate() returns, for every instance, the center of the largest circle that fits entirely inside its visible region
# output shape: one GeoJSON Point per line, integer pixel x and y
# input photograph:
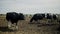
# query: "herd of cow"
{"type": "Point", "coordinates": [14, 17]}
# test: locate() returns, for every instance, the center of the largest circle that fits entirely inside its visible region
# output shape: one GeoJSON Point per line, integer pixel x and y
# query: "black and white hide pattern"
{"type": "Point", "coordinates": [13, 18]}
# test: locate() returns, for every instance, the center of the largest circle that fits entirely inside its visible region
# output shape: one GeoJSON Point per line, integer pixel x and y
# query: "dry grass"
{"type": "Point", "coordinates": [25, 28]}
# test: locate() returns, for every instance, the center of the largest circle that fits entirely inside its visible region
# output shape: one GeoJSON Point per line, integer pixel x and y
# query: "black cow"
{"type": "Point", "coordinates": [37, 17]}
{"type": "Point", "coordinates": [13, 17]}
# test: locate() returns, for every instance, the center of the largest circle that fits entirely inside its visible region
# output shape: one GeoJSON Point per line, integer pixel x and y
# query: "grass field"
{"type": "Point", "coordinates": [26, 28]}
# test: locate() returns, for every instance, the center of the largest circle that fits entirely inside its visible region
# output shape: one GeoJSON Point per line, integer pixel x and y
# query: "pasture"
{"type": "Point", "coordinates": [26, 28]}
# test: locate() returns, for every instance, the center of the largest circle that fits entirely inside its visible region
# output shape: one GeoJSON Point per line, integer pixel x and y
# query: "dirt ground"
{"type": "Point", "coordinates": [26, 28]}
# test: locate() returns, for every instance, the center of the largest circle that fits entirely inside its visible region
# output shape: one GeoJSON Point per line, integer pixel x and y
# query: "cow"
{"type": "Point", "coordinates": [51, 17]}
{"type": "Point", "coordinates": [37, 17]}
{"type": "Point", "coordinates": [14, 17]}
{"type": "Point", "coordinates": [55, 17]}
{"type": "Point", "coordinates": [21, 16]}
{"type": "Point", "coordinates": [48, 16]}
{"type": "Point", "coordinates": [40, 16]}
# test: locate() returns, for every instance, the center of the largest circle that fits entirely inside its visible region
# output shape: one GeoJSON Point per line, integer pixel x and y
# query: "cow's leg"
{"type": "Point", "coordinates": [13, 24]}
{"type": "Point", "coordinates": [16, 25]}
{"type": "Point", "coordinates": [9, 24]}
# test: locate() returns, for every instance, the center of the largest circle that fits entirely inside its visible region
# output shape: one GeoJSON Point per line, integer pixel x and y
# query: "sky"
{"type": "Point", "coordinates": [30, 6]}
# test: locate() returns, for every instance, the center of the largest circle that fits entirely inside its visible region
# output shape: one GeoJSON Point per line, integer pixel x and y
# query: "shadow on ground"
{"type": "Point", "coordinates": [6, 29]}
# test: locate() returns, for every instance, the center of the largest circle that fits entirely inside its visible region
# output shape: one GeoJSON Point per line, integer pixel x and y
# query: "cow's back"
{"type": "Point", "coordinates": [11, 16]}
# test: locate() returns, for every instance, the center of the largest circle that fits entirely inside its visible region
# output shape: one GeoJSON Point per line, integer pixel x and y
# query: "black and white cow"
{"type": "Point", "coordinates": [37, 17]}
{"type": "Point", "coordinates": [51, 16]}
{"type": "Point", "coordinates": [55, 17]}
{"type": "Point", "coordinates": [13, 17]}
{"type": "Point", "coordinates": [40, 16]}
{"type": "Point", "coordinates": [48, 16]}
